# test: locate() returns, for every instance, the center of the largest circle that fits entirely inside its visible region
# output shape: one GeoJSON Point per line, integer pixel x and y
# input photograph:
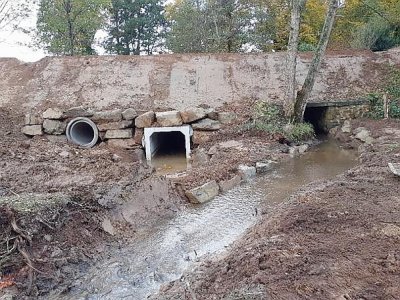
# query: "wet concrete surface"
{"type": "Point", "coordinates": [162, 255]}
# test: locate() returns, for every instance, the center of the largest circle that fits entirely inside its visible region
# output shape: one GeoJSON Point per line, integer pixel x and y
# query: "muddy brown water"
{"type": "Point", "coordinates": [162, 255]}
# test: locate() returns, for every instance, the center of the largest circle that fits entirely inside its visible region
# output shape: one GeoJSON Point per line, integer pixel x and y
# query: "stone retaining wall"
{"type": "Point", "coordinates": [125, 127]}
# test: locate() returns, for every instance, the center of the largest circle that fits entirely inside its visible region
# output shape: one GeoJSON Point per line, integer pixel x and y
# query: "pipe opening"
{"type": "Point", "coordinates": [316, 116]}
{"type": "Point", "coordinates": [82, 132]}
{"type": "Point", "coordinates": [168, 144]}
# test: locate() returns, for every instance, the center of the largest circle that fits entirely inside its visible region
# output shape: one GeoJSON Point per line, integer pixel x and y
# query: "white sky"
{"type": "Point", "coordinates": [14, 43]}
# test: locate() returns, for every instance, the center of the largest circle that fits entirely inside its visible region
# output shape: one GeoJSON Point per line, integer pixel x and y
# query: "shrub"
{"type": "Point", "coordinates": [299, 132]}
{"type": "Point", "coordinates": [270, 118]}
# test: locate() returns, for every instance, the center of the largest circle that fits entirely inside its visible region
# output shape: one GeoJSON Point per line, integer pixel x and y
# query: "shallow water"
{"type": "Point", "coordinates": [161, 256]}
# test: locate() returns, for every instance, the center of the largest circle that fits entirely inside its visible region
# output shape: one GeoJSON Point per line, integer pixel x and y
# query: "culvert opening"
{"type": "Point", "coordinates": [167, 141]}
{"type": "Point", "coordinates": [316, 116]}
{"type": "Point", "coordinates": [82, 132]}
{"type": "Point", "coordinates": [168, 144]}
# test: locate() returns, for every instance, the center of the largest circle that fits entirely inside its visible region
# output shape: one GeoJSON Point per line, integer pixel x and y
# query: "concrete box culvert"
{"type": "Point", "coordinates": [154, 138]}
{"type": "Point", "coordinates": [82, 132]}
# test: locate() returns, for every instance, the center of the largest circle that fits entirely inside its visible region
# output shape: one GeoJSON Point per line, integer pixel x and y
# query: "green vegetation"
{"type": "Point", "coordinates": [135, 27]}
{"type": "Point", "coordinates": [68, 27]}
{"type": "Point", "coordinates": [299, 132]}
{"type": "Point", "coordinates": [392, 90]}
{"type": "Point", "coordinates": [270, 118]}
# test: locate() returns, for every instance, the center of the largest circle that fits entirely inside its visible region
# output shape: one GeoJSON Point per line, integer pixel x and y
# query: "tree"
{"type": "Point", "coordinates": [12, 12]}
{"type": "Point", "coordinates": [218, 25]}
{"type": "Point", "coordinates": [296, 111]}
{"type": "Point", "coordinates": [136, 27]}
{"type": "Point", "coordinates": [67, 27]}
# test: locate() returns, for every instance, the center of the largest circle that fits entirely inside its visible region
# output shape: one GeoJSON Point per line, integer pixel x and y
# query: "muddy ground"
{"type": "Point", "coordinates": [63, 208]}
{"type": "Point", "coordinates": [337, 240]}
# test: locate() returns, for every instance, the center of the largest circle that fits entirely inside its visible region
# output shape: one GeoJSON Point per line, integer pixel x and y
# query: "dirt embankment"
{"type": "Point", "coordinates": [337, 240]}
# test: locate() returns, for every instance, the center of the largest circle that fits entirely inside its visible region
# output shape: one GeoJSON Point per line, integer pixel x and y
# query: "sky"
{"type": "Point", "coordinates": [14, 43]}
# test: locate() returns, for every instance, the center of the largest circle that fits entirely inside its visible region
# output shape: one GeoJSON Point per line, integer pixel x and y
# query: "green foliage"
{"type": "Point", "coordinates": [299, 132]}
{"type": "Point", "coordinates": [392, 90]}
{"type": "Point", "coordinates": [218, 26]}
{"type": "Point", "coordinates": [135, 27]}
{"type": "Point", "coordinates": [270, 118]}
{"type": "Point", "coordinates": [377, 110]}
{"type": "Point", "coordinates": [304, 47]}
{"type": "Point", "coordinates": [67, 27]}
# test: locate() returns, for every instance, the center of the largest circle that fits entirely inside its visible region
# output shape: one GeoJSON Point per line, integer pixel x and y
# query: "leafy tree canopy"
{"type": "Point", "coordinates": [135, 26]}
{"type": "Point", "coordinates": [67, 27]}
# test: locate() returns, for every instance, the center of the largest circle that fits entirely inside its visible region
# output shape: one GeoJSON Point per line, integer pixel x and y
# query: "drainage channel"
{"type": "Point", "coordinates": [162, 255]}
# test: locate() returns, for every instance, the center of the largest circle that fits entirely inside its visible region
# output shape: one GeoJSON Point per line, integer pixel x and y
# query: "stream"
{"type": "Point", "coordinates": [162, 255]}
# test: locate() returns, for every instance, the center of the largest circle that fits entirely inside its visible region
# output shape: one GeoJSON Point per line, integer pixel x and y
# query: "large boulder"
{"type": "Point", "coordinates": [145, 120]}
{"type": "Point", "coordinates": [207, 125]}
{"type": "Point", "coordinates": [169, 118]}
{"type": "Point", "coordinates": [32, 130]}
{"type": "Point", "coordinates": [54, 127]}
{"type": "Point", "coordinates": [203, 193]}
{"type": "Point", "coordinates": [193, 114]}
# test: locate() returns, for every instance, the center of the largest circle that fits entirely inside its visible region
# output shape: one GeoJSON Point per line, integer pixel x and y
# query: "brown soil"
{"type": "Point", "coordinates": [57, 196]}
{"type": "Point", "coordinates": [337, 240]}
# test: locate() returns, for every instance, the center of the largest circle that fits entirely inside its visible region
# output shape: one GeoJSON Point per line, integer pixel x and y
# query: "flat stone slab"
{"type": "Point", "coordinates": [32, 130]}
{"type": "Point", "coordinates": [119, 134]}
{"type": "Point", "coordinates": [115, 125]}
{"type": "Point", "coordinates": [79, 111]}
{"type": "Point", "coordinates": [394, 168]}
{"type": "Point", "coordinates": [53, 113]}
{"type": "Point", "coordinates": [203, 193]}
{"type": "Point", "coordinates": [193, 114]}
{"type": "Point", "coordinates": [169, 118]}
{"type": "Point", "coordinates": [108, 116]}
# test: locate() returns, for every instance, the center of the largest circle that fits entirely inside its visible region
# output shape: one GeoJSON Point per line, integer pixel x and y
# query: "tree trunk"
{"type": "Point", "coordinates": [291, 59]}
{"type": "Point", "coordinates": [304, 94]}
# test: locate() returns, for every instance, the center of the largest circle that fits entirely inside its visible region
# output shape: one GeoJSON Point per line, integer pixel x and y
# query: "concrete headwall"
{"type": "Point", "coordinates": [179, 81]}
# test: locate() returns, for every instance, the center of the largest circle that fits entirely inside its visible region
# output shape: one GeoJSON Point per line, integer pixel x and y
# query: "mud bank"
{"type": "Point", "coordinates": [335, 240]}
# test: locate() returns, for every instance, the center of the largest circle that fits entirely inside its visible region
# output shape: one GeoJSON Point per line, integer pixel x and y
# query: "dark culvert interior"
{"type": "Point", "coordinates": [168, 144]}
{"type": "Point", "coordinates": [316, 116]}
